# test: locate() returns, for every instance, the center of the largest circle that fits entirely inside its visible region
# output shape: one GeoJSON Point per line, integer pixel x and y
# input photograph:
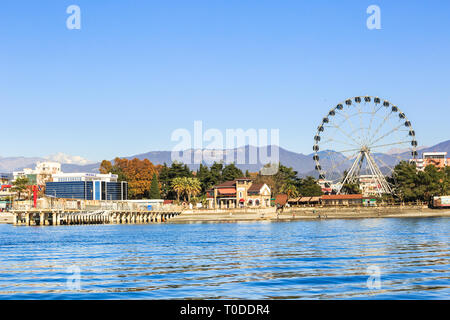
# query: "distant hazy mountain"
{"type": "Point", "coordinates": [68, 162]}
{"type": "Point", "coordinates": [442, 147]}
{"type": "Point", "coordinates": [11, 164]}
{"type": "Point", "coordinates": [92, 167]}
{"type": "Point", "coordinates": [156, 157]}
{"type": "Point", "coordinates": [288, 158]}
{"type": "Point", "coordinates": [302, 163]}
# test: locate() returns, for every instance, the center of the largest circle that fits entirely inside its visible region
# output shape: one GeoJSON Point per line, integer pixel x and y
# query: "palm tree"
{"type": "Point", "coordinates": [178, 185]}
{"type": "Point", "coordinates": [289, 189]}
{"type": "Point", "coordinates": [193, 187]}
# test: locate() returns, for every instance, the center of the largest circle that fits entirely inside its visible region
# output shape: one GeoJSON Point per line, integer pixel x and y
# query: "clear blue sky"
{"type": "Point", "coordinates": [137, 70]}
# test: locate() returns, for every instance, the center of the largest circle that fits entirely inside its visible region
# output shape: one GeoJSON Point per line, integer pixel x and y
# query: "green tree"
{"type": "Point", "coordinates": [154, 188]}
{"type": "Point", "coordinates": [178, 185]}
{"type": "Point", "coordinates": [430, 182]}
{"type": "Point", "coordinates": [20, 185]}
{"type": "Point", "coordinates": [205, 177]}
{"type": "Point", "coordinates": [309, 187]}
{"type": "Point", "coordinates": [445, 185]}
{"type": "Point", "coordinates": [407, 181]}
{"type": "Point", "coordinates": [164, 180]}
{"type": "Point", "coordinates": [351, 188]}
{"type": "Point", "coordinates": [290, 190]}
{"type": "Point", "coordinates": [192, 187]}
{"type": "Point", "coordinates": [412, 185]}
{"type": "Point", "coordinates": [179, 170]}
{"type": "Point", "coordinates": [231, 172]}
{"type": "Point", "coordinates": [168, 174]}
{"type": "Point", "coordinates": [285, 175]}
{"type": "Point", "coordinates": [216, 173]}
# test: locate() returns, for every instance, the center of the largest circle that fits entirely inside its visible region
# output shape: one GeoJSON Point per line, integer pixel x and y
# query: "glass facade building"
{"type": "Point", "coordinates": [87, 190]}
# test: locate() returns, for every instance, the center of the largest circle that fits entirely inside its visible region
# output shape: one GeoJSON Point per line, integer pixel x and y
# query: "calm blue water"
{"type": "Point", "coordinates": [307, 259]}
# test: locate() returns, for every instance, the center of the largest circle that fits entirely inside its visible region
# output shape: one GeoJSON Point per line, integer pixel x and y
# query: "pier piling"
{"type": "Point", "coordinates": [78, 217]}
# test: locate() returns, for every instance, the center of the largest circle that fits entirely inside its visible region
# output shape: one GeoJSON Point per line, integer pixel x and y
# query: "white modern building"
{"type": "Point", "coordinates": [48, 167]}
{"type": "Point", "coordinates": [22, 173]}
{"type": "Point", "coordinates": [41, 174]}
{"type": "Point", "coordinates": [87, 186]}
{"type": "Point", "coordinates": [41, 168]}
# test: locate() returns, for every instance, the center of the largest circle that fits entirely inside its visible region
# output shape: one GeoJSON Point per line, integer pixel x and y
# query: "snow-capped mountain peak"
{"type": "Point", "coordinates": [67, 158]}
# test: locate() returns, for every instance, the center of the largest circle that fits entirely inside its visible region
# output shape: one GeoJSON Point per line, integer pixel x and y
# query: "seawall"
{"type": "Point", "coordinates": [310, 213]}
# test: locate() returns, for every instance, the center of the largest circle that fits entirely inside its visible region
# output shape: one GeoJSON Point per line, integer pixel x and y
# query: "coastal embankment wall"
{"type": "Point", "coordinates": [298, 213]}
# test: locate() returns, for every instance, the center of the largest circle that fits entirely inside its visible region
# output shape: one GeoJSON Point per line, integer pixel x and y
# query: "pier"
{"type": "Point", "coordinates": [39, 217]}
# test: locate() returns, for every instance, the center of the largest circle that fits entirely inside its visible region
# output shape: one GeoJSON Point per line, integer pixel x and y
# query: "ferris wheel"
{"type": "Point", "coordinates": [359, 142]}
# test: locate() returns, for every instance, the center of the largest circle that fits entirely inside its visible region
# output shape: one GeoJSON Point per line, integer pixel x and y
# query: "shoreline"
{"type": "Point", "coordinates": [295, 214]}
{"type": "Point", "coordinates": [292, 214]}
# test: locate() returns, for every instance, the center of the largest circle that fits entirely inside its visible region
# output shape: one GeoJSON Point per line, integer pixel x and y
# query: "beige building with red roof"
{"type": "Point", "coordinates": [239, 193]}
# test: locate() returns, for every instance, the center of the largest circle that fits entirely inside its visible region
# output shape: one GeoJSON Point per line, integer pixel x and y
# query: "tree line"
{"type": "Point", "coordinates": [178, 182]}
{"type": "Point", "coordinates": [412, 184]}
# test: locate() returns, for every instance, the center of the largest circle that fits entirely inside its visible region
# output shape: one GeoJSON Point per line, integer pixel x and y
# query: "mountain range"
{"type": "Point", "coordinates": [300, 162]}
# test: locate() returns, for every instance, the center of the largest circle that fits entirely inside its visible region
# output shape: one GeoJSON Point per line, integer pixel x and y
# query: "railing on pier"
{"type": "Point", "coordinates": [47, 203]}
{"type": "Point", "coordinates": [76, 217]}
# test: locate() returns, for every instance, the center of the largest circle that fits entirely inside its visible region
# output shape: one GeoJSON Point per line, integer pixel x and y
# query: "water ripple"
{"type": "Point", "coordinates": [326, 259]}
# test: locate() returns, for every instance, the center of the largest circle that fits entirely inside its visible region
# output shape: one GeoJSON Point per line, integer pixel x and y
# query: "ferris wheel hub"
{"type": "Point", "coordinates": [365, 149]}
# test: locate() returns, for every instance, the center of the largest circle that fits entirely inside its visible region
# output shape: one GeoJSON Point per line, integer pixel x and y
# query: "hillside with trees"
{"type": "Point", "coordinates": [178, 182]}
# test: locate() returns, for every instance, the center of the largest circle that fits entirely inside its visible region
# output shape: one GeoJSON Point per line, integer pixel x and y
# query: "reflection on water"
{"type": "Point", "coordinates": [295, 260]}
